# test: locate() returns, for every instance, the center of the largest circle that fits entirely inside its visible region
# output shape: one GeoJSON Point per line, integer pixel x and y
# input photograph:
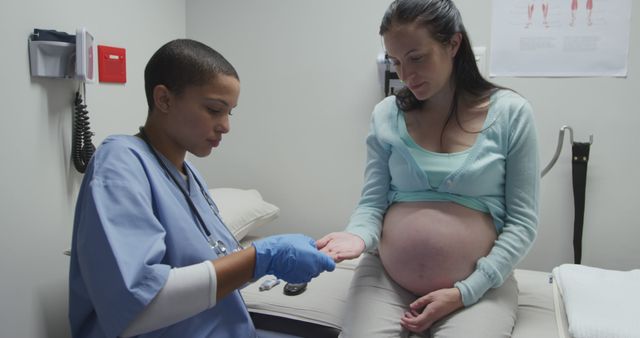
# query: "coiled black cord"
{"type": "Point", "coordinates": [81, 148]}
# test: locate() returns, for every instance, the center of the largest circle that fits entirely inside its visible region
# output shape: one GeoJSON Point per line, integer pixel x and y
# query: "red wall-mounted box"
{"type": "Point", "coordinates": [112, 64]}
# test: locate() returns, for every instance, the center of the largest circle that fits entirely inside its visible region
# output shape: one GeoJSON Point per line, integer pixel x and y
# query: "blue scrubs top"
{"type": "Point", "coordinates": [132, 225]}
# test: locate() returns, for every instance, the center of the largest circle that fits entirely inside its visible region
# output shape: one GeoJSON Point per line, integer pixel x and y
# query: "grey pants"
{"type": "Point", "coordinates": [376, 303]}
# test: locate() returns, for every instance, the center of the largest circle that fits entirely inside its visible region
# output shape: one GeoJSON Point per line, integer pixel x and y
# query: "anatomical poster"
{"type": "Point", "coordinates": [560, 38]}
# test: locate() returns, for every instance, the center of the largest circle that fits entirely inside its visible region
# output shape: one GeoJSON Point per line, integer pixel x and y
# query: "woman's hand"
{"type": "Point", "coordinates": [429, 308]}
{"type": "Point", "coordinates": [341, 246]}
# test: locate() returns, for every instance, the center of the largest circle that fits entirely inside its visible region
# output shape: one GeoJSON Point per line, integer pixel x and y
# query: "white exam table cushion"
{"type": "Point", "coordinates": [599, 302]}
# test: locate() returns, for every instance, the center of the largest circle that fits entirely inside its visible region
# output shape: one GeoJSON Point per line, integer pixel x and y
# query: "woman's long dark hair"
{"type": "Point", "coordinates": [443, 20]}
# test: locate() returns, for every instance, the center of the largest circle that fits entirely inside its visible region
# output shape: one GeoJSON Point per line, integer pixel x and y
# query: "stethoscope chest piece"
{"type": "Point", "coordinates": [218, 246]}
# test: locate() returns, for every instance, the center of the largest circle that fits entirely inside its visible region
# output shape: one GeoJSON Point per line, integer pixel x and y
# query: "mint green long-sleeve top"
{"type": "Point", "coordinates": [501, 171]}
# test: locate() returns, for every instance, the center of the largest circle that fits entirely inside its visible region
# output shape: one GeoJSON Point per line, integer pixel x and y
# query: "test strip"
{"type": "Point", "coordinates": [269, 284]}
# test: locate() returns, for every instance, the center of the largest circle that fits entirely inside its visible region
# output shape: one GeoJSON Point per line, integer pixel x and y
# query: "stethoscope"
{"type": "Point", "coordinates": [217, 245]}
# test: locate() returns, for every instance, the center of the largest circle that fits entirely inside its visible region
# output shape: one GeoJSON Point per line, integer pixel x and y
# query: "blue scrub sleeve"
{"type": "Point", "coordinates": [120, 248]}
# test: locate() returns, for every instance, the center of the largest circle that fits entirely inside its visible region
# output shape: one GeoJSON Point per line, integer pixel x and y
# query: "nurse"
{"type": "Point", "coordinates": [150, 255]}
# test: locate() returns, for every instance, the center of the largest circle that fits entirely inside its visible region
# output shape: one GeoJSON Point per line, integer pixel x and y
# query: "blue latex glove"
{"type": "Point", "coordinates": [293, 258]}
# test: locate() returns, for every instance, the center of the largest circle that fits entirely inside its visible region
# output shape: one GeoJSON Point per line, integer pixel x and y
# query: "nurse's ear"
{"type": "Point", "coordinates": [162, 98]}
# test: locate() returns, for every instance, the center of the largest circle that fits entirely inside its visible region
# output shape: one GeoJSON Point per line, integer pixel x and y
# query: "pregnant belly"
{"type": "Point", "coordinates": [427, 246]}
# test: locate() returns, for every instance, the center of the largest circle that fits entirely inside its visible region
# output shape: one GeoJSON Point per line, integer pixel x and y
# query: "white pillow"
{"type": "Point", "coordinates": [242, 210]}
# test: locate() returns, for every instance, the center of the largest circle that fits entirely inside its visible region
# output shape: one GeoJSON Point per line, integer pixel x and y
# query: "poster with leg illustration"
{"type": "Point", "coordinates": [574, 9]}
{"type": "Point", "coordinates": [560, 38]}
{"type": "Point", "coordinates": [531, 6]}
{"type": "Point", "coordinates": [589, 10]}
{"type": "Point", "coordinates": [540, 9]}
{"type": "Point", "coordinates": [545, 13]}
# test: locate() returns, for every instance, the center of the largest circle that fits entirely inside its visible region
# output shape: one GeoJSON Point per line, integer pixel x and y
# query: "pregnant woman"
{"type": "Point", "coordinates": [449, 203]}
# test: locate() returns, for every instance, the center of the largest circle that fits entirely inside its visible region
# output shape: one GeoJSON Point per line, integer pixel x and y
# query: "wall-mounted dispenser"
{"type": "Point", "coordinates": [61, 55]}
{"type": "Point", "coordinates": [52, 54]}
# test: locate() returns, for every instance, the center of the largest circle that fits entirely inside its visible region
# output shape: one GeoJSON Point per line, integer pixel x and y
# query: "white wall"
{"type": "Point", "coordinates": [39, 185]}
{"type": "Point", "coordinates": [309, 83]}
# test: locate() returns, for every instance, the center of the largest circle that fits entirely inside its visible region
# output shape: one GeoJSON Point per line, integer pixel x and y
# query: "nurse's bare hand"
{"type": "Point", "coordinates": [341, 246]}
{"type": "Point", "coordinates": [431, 307]}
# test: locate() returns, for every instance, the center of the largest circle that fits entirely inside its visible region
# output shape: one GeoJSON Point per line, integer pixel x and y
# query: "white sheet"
{"type": "Point", "coordinates": [599, 302]}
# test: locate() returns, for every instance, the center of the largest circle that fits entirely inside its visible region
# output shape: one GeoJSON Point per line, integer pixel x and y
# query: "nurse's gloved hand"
{"type": "Point", "coordinates": [293, 258]}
